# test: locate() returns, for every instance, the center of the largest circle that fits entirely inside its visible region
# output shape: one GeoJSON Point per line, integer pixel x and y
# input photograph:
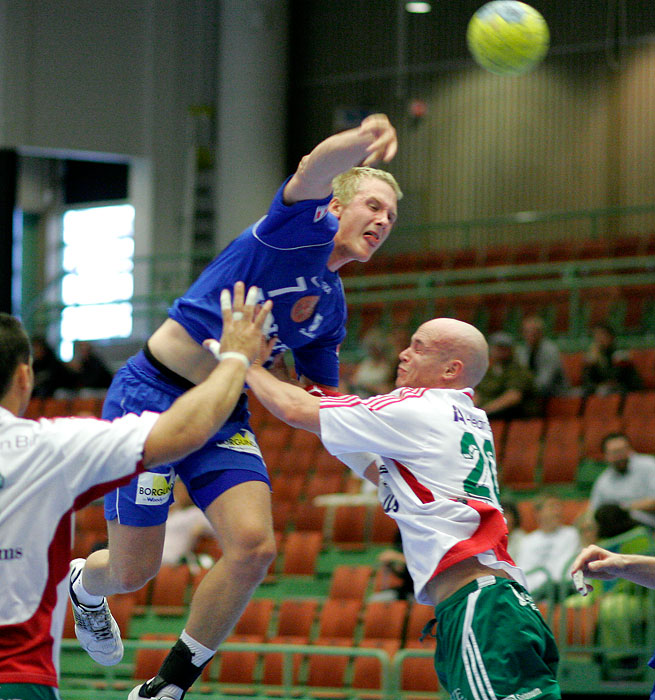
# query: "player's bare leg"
{"type": "Point", "coordinates": [133, 557]}
{"type": "Point", "coordinates": [243, 523]}
{"type": "Point", "coordinates": [242, 520]}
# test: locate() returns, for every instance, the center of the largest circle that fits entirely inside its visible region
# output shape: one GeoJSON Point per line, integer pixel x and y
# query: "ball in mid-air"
{"type": "Point", "coordinates": [507, 37]}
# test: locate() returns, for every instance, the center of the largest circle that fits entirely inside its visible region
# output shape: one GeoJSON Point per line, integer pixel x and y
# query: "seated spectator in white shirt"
{"type": "Point", "coordinates": [628, 481]}
{"type": "Point", "coordinates": [545, 552]}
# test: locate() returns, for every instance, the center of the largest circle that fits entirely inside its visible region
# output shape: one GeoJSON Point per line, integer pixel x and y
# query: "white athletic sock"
{"type": "Point", "coordinates": [201, 653]}
{"type": "Point", "coordinates": [83, 597]}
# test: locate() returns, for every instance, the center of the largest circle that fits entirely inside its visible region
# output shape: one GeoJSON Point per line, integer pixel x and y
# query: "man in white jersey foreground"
{"type": "Point", "coordinates": [50, 468]}
{"type": "Point", "coordinates": [438, 481]}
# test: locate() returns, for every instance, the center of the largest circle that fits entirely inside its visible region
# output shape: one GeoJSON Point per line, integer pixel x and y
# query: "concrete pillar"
{"type": "Point", "coordinates": [251, 111]}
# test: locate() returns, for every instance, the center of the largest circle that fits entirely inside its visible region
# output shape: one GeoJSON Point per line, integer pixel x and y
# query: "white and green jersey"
{"type": "Point", "coordinates": [438, 479]}
{"type": "Point", "coordinates": [49, 469]}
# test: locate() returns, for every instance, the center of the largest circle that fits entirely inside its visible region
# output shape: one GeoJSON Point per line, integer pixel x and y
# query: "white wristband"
{"type": "Point", "coordinates": [234, 356]}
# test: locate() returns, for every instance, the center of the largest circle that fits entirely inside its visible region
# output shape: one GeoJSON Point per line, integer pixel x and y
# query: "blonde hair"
{"type": "Point", "coordinates": [346, 185]}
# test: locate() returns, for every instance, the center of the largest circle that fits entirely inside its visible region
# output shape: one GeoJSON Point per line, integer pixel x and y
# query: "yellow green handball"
{"type": "Point", "coordinates": [507, 37]}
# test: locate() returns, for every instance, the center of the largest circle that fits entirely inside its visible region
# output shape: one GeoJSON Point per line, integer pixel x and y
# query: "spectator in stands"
{"type": "Point", "coordinates": [375, 373]}
{"type": "Point", "coordinates": [50, 373]}
{"type": "Point", "coordinates": [542, 357]}
{"type": "Point", "coordinates": [545, 552]}
{"type": "Point", "coordinates": [587, 527]}
{"type": "Point", "coordinates": [515, 533]}
{"type": "Point", "coordinates": [88, 368]}
{"type": "Point", "coordinates": [508, 389]}
{"type": "Point", "coordinates": [628, 482]}
{"type": "Point", "coordinates": [185, 525]}
{"type": "Point", "coordinates": [606, 369]}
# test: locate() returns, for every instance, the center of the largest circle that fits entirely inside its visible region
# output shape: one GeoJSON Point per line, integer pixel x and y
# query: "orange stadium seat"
{"type": "Point", "coordinates": [287, 487]}
{"type": "Point", "coordinates": [367, 670]}
{"type": "Point", "coordinates": [419, 616]}
{"type": "Point", "coordinates": [644, 361]}
{"type": "Point", "coordinates": [349, 526]}
{"type": "Point", "coordinates": [300, 551]}
{"type": "Point", "coordinates": [563, 406]}
{"type": "Point", "coordinates": [499, 429]}
{"type": "Point", "coordinates": [384, 619]}
{"type": "Point", "coordinates": [309, 518]}
{"type": "Point", "coordinates": [640, 430]}
{"type": "Point", "coordinates": [327, 671]}
{"type": "Point", "coordinates": [573, 363]}
{"type": "Point", "coordinates": [273, 668]}
{"type": "Point", "coordinates": [320, 484]}
{"type": "Point", "coordinates": [56, 408]}
{"type": "Point", "coordinates": [561, 450]}
{"type": "Point", "coordinates": [233, 668]}
{"type": "Point", "coordinates": [350, 581]}
{"type": "Point", "coordinates": [282, 514]}
{"type": "Point", "coordinates": [256, 618]}
{"type": "Point", "coordinates": [384, 529]}
{"type": "Point", "coordinates": [418, 675]}
{"type": "Point", "coordinates": [597, 406]}
{"type": "Point", "coordinates": [296, 617]}
{"type": "Point", "coordinates": [338, 618]}
{"type": "Point", "coordinates": [519, 460]}
{"type": "Point", "coordinates": [148, 661]}
{"type": "Point", "coordinates": [91, 518]}
{"type": "Point", "coordinates": [34, 409]}
{"type": "Point", "coordinates": [594, 430]}
{"type": "Point", "coordinates": [86, 405]}
{"type": "Point", "coordinates": [170, 587]}
{"type": "Point", "coordinates": [638, 403]}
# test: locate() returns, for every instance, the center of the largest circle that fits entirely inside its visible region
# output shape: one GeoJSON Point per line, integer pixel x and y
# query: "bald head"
{"type": "Point", "coordinates": [445, 354]}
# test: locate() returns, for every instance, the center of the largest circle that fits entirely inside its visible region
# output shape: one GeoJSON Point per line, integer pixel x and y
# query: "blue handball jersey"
{"type": "Point", "coordinates": [285, 254]}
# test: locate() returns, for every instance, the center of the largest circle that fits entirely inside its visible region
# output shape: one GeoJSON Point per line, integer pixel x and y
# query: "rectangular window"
{"type": "Point", "coordinates": [97, 283]}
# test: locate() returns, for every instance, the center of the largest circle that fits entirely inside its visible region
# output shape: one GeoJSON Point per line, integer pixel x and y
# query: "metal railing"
{"type": "Point", "coordinates": [167, 274]}
{"type": "Point", "coordinates": [112, 682]}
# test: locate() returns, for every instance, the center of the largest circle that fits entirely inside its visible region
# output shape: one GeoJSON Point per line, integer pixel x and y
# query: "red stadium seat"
{"type": "Point", "coordinates": [256, 618]}
{"type": "Point", "coordinates": [350, 581]}
{"type": "Point", "coordinates": [519, 461]}
{"type": "Point", "coordinates": [349, 526]}
{"type": "Point", "coordinates": [561, 450]}
{"type": "Point", "coordinates": [296, 617]}
{"type": "Point", "coordinates": [384, 619]}
{"type": "Point", "coordinates": [300, 551]}
{"type": "Point", "coordinates": [339, 617]}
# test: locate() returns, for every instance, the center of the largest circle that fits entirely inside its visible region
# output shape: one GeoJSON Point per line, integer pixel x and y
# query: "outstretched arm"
{"type": "Point", "coordinates": [200, 412]}
{"type": "Point", "coordinates": [299, 408]}
{"type": "Point", "coordinates": [288, 402]}
{"type": "Point", "coordinates": [599, 563]}
{"type": "Point", "coordinates": [373, 140]}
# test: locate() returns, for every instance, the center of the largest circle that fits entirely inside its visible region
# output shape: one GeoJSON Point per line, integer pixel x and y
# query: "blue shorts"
{"type": "Point", "coordinates": [229, 457]}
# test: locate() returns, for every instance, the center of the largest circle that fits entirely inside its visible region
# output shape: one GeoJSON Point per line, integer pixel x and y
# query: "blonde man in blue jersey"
{"type": "Point", "coordinates": [293, 255]}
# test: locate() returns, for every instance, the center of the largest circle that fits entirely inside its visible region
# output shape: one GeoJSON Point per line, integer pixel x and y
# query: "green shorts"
{"type": "Point", "coordinates": [492, 643]}
{"type": "Point", "coordinates": [27, 691]}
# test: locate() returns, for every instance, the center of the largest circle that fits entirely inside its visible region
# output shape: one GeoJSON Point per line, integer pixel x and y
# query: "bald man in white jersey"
{"type": "Point", "coordinates": [437, 479]}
